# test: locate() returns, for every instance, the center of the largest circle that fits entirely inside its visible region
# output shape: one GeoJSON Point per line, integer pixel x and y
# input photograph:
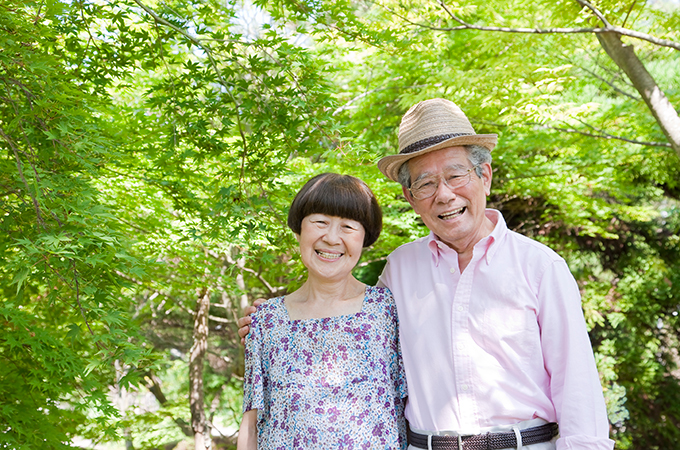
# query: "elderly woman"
{"type": "Point", "coordinates": [323, 364]}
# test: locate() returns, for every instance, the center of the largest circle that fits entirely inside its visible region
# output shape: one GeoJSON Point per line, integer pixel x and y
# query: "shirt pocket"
{"type": "Point", "coordinates": [511, 332]}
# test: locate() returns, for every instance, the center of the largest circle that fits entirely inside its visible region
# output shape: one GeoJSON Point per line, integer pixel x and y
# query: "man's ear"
{"type": "Point", "coordinates": [409, 198]}
{"type": "Point", "coordinates": [487, 176]}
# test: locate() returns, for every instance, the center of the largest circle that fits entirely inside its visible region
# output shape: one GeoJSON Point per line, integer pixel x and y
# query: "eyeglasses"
{"type": "Point", "coordinates": [425, 188]}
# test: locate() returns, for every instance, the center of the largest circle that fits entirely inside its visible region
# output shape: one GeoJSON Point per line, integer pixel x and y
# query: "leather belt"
{"type": "Point", "coordinates": [486, 441]}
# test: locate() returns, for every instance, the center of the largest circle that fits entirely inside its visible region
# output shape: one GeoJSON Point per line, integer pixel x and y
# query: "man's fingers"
{"type": "Point", "coordinates": [244, 321]}
{"type": "Point", "coordinates": [243, 331]}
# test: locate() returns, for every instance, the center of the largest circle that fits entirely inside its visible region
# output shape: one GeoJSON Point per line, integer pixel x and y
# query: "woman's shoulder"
{"type": "Point", "coordinates": [379, 294]}
{"type": "Point", "coordinates": [267, 309]}
{"type": "Point", "coordinates": [379, 305]}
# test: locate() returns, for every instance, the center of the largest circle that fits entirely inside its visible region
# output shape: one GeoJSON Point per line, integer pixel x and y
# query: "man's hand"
{"type": "Point", "coordinates": [244, 322]}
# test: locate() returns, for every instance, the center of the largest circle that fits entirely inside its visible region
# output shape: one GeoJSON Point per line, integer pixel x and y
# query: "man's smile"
{"type": "Point", "coordinates": [452, 214]}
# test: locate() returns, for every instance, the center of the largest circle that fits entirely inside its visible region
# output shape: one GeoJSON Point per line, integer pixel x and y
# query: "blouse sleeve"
{"type": "Point", "coordinates": [396, 363]}
{"type": "Point", "coordinates": [253, 379]}
{"type": "Point", "coordinates": [397, 373]}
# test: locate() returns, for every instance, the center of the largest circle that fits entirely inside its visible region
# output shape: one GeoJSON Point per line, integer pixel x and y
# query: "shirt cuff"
{"type": "Point", "coordinates": [582, 442]}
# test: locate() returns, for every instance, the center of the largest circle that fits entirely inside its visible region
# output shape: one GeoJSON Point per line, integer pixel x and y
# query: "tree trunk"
{"type": "Point", "coordinates": [198, 420]}
{"type": "Point", "coordinates": [624, 56]}
{"type": "Point", "coordinates": [154, 386]}
{"type": "Point", "coordinates": [241, 283]}
{"type": "Point", "coordinates": [123, 400]}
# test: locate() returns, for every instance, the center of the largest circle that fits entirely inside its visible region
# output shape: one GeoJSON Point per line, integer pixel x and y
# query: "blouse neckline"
{"type": "Point", "coordinates": [321, 319]}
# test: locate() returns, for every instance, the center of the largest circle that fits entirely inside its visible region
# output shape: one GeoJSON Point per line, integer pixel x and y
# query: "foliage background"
{"type": "Point", "coordinates": [150, 152]}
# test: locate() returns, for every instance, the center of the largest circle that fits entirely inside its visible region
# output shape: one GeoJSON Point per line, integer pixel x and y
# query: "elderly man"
{"type": "Point", "coordinates": [494, 342]}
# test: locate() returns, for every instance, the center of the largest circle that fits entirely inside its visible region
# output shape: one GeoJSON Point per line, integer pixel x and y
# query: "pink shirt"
{"type": "Point", "coordinates": [501, 343]}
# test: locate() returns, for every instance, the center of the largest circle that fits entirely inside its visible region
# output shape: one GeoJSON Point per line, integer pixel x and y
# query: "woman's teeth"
{"type": "Point", "coordinates": [328, 255]}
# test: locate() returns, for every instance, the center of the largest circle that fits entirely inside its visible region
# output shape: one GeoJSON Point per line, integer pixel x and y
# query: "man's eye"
{"type": "Point", "coordinates": [425, 184]}
{"type": "Point", "coordinates": [453, 177]}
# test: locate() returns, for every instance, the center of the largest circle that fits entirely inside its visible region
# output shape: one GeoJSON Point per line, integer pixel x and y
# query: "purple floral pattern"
{"type": "Point", "coordinates": [331, 383]}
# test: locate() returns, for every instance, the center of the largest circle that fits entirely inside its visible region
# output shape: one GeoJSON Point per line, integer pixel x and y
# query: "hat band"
{"type": "Point", "coordinates": [417, 146]}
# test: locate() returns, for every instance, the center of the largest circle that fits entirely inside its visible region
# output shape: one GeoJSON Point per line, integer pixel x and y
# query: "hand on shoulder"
{"type": "Point", "coordinates": [244, 322]}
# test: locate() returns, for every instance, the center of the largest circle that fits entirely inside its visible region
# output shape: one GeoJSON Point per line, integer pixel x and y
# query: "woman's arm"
{"type": "Point", "coordinates": [247, 434]}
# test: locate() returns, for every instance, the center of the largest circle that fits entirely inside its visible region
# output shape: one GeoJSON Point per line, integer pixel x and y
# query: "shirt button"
{"type": "Point", "coordinates": [464, 387]}
{"type": "Point", "coordinates": [460, 346]}
{"type": "Point", "coordinates": [460, 308]}
{"type": "Point", "coordinates": [452, 270]}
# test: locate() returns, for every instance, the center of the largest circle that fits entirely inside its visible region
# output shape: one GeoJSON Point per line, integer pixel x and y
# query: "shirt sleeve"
{"type": "Point", "coordinates": [575, 386]}
{"type": "Point", "coordinates": [254, 376]}
{"type": "Point", "coordinates": [384, 278]}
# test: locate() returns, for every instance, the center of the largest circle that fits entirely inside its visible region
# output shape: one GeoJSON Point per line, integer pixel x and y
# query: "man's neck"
{"type": "Point", "coordinates": [466, 252]}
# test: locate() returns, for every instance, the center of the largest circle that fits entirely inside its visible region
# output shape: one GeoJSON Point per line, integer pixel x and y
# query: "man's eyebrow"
{"type": "Point", "coordinates": [447, 168]}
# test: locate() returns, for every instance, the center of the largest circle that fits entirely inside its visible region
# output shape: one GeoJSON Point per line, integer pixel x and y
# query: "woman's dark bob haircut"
{"type": "Point", "coordinates": [340, 196]}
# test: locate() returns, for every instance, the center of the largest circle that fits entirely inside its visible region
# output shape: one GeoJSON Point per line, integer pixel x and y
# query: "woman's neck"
{"type": "Point", "coordinates": [318, 299]}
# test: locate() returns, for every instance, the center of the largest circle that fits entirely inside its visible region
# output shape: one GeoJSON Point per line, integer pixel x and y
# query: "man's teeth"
{"type": "Point", "coordinates": [329, 255]}
{"type": "Point", "coordinates": [451, 214]}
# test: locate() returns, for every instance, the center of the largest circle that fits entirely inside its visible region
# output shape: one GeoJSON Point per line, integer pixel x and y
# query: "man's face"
{"type": "Point", "coordinates": [456, 216]}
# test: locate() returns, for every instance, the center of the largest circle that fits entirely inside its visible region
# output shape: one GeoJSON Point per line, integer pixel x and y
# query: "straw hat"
{"type": "Point", "coordinates": [432, 125]}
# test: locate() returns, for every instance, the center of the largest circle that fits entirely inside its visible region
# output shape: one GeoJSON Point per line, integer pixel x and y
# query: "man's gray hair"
{"type": "Point", "coordinates": [476, 154]}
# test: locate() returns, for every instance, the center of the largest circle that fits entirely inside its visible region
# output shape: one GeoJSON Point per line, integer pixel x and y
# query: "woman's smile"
{"type": "Point", "coordinates": [328, 239]}
{"type": "Point", "coordinates": [329, 255]}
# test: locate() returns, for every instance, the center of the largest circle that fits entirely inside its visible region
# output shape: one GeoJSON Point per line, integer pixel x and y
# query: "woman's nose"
{"type": "Point", "coordinates": [332, 235]}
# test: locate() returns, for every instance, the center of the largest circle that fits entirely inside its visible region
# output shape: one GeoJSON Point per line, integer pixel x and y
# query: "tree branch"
{"type": "Point", "coordinates": [211, 60]}
{"type": "Point", "coordinates": [607, 29]}
{"type": "Point", "coordinates": [153, 383]}
{"type": "Point", "coordinates": [347, 105]}
{"type": "Point", "coordinates": [80, 306]}
{"type": "Point", "coordinates": [603, 135]}
{"type": "Point", "coordinates": [176, 300]}
{"type": "Point", "coordinates": [595, 11]}
{"type": "Point", "coordinates": [365, 263]}
{"type": "Point", "coordinates": [663, 111]}
{"type": "Point", "coordinates": [15, 150]}
{"type": "Point", "coordinates": [602, 79]}
{"type": "Point", "coordinates": [272, 290]}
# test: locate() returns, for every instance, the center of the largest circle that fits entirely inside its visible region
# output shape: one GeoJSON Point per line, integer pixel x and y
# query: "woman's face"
{"type": "Point", "coordinates": [330, 246]}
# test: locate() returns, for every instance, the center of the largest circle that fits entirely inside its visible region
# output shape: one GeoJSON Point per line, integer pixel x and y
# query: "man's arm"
{"type": "Point", "coordinates": [247, 434]}
{"type": "Point", "coordinates": [244, 322]}
{"type": "Point", "coordinates": [575, 387]}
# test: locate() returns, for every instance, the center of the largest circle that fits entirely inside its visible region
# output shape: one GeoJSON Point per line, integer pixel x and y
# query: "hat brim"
{"type": "Point", "coordinates": [389, 165]}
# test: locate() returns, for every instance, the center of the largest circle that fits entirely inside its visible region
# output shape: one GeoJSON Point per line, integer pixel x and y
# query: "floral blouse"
{"type": "Point", "coordinates": [330, 383]}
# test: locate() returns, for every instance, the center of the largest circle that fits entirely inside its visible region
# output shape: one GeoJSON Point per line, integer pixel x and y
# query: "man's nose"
{"type": "Point", "coordinates": [444, 193]}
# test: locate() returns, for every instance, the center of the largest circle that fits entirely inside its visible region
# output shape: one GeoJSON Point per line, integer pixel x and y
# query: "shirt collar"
{"type": "Point", "coordinates": [489, 244]}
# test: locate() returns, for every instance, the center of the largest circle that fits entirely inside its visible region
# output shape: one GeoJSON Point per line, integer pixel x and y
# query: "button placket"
{"type": "Point", "coordinates": [463, 365]}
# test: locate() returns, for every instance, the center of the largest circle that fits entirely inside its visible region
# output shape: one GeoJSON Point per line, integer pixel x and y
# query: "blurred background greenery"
{"type": "Point", "coordinates": [150, 150]}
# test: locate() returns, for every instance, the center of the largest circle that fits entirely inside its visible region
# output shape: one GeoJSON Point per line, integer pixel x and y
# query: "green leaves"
{"type": "Point", "coordinates": [149, 154]}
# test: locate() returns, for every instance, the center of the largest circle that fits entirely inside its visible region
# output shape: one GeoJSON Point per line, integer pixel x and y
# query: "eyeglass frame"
{"type": "Point", "coordinates": [468, 173]}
